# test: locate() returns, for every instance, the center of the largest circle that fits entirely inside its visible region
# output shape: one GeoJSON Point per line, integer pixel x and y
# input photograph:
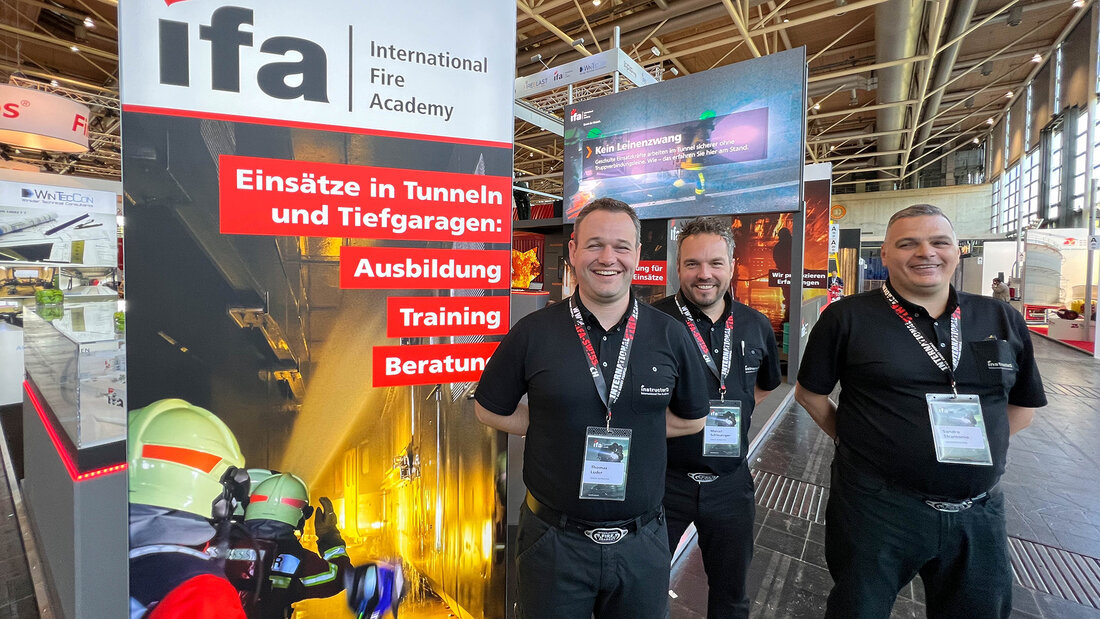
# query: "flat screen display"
{"type": "Point", "coordinates": [725, 141]}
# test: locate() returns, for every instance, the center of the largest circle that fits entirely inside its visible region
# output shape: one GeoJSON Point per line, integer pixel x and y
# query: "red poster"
{"type": "Point", "coordinates": [650, 273]}
{"type": "Point", "coordinates": [396, 366]}
{"type": "Point", "coordinates": [308, 198]}
{"type": "Point", "coordinates": [441, 316]}
{"type": "Point", "coordinates": [385, 268]}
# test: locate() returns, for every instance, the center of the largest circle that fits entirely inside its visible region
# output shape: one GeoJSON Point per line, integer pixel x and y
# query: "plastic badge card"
{"type": "Point", "coordinates": [722, 434]}
{"type": "Point", "coordinates": [958, 429]}
{"type": "Point", "coordinates": [603, 472]}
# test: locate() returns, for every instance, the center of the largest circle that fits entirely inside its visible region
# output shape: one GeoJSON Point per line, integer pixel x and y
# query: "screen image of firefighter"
{"type": "Point", "coordinates": [723, 142]}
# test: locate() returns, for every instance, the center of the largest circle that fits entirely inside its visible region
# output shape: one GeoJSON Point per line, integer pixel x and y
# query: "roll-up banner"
{"type": "Point", "coordinates": [319, 217]}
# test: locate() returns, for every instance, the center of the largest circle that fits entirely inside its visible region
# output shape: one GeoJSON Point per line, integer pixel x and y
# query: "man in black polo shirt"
{"type": "Point", "coordinates": [607, 379]}
{"type": "Point", "coordinates": [933, 382]}
{"type": "Point", "coordinates": [708, 480]}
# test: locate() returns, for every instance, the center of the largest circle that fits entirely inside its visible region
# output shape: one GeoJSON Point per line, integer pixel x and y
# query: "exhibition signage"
{"type": "Point", "coordinates": [650, 273]}
{"type": "Point", "coordinates": [380, 130]}
{"type": "Point", "coordinates": [57, 225]}
{"type": "Point", "coordinates": [35, 119]}
{"type": "Point", "coordinates": [724, 141]}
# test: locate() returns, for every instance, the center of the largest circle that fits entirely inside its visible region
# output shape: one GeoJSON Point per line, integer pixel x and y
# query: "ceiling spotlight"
{"type": "Point", "coordinates": [989, 121]}
{"type": "Point", "coordinates": [577, 42]}
{"type": "Point", "coordinates": [1078, 4]}
{"type": "Point", "coordinates": [653, 50]}
{"type": "Point", "coordinates": [536, 58]}
{"type": "Point", "coordinates": [675, 71]}
{"type": "Point", "coordinates": [987, 68]}
{"type": "Point", "coordinates": [817, 106]}
{"type": "Point", "coordinates": [54, 83]}
{"type": "Point", "coordinates": [595, 2]}
{"type": "Point", "coordinates": [1008, 94]}
{"type": "Point", "coordinates": [786, 21]}
{"type": "Point", "coordinates": [74, 48]}
{"type": "Point", "coordinates": [88, 23]}
{"type": "Point", "coordinates": [833, 147]}
{"type": "Point", "coordinates": [976, 141]}
{"type": "Point", "coordinates": [1037, 58]}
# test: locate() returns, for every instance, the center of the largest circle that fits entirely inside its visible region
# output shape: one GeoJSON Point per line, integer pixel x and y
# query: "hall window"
{"type": "Point", "coordinates": [995, 208]}
{"type": "Point", "coordinates": [1054, 197]}
{"type": "Point", "coordinates": [1080, 150]}
{"type": "Point", "coordinates": [1029, 200]}
{"type": "Point", "coordinates": [1010, 207]}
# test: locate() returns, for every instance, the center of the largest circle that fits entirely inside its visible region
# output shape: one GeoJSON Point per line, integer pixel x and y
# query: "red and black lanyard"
{"type": "Point", "coordinates": [607, 397]}
{"type": "Point", "coordinates": [929, 348]}
{"type": "Point", "coordinates": [727, 347]}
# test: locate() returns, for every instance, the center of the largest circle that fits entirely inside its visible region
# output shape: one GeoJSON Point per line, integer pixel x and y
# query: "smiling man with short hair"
{"type": "Point", "coordinates": [607, 378]}
{"type": "Point", "coordinates": [933, 382]}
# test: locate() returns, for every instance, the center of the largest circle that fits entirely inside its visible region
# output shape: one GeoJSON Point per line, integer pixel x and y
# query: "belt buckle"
{"type": "Point", "coordinates": [703, 478]}
{"type": "Point", "coordinates": [948, 507]}
{"type": "Point", "coordinates": [606, 535]}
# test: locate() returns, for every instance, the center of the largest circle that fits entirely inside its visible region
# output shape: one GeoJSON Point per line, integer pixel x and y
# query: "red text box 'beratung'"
{"type": "Point", "coordinates": [395, 366]}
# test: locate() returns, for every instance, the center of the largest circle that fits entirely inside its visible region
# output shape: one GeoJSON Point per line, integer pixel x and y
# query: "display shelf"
{"type": "Point", "coordinates": [78, 363]}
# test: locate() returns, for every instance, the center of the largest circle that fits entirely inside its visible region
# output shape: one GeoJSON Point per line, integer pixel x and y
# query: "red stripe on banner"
{"type": "Point", "coordinates": [276, 122]}
{"type": "Point", "coordinates": [399, 366]}
{"type": "Point", "coordinates": [306, 198]}
{"type": "Point", "coordinates": [180, 455]}
{"type": "Point", "coordinates": [443, 316]}
{"type": "Point", "coordinates": [386, 268]}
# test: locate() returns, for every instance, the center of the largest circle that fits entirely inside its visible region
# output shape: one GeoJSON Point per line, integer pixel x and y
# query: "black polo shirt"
{"type": "Point", "coordinates": [882, 416]}
{"type": "Point", "coordinates": [755, 362]}
{"type": "Point", "coordinates": [542, 357]}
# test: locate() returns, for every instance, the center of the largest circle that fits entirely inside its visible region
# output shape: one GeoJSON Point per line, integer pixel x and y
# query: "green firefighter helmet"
{"type": "Point", "coordinates": [255, 476]}
{"type": "Point", "coordinates": [183, 457]}
{"type": "Point", "coordinates": [281, 497]}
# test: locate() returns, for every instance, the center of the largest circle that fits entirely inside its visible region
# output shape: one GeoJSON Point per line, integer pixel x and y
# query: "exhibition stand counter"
{"type": "Point", "coordinates": [74, 420]}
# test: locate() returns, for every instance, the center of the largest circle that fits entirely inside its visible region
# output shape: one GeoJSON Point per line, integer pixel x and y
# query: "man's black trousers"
{"type": "Point", "coordinates": [878, 537]}
{"type": "Point", "coordinates": [723, 512]}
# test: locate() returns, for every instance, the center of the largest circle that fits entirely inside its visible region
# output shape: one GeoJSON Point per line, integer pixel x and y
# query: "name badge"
{"type": "Point", "coordinates": [958, 429]}
{"type": "Point", "coordinates": [606, 455]}
{"type": "Point", "coordinates": [722, 433]}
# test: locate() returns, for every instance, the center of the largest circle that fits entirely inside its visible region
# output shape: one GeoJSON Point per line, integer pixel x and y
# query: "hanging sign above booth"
{"type": "Point", "coordinates": [36, 119]}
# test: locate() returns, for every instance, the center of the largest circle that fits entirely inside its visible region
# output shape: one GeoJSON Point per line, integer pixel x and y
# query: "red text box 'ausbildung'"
{"type": "Point", "coordinates": [386, 268]}
{"type": "Point", "coordinates": [307, 198]}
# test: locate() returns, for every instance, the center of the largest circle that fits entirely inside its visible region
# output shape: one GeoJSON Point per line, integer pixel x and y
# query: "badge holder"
{"type": "Point", "coordinates": [606, 455]}
{"type": "Point", "coordinates": [958, 429]}
{"type": "Point", "coordinates": [722, 433]}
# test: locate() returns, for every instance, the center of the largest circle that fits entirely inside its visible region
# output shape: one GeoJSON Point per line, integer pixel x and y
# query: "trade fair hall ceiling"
{"type": "Point", "coordinates": [894, 85]}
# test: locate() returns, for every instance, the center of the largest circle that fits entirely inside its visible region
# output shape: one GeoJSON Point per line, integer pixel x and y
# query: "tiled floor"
{"type": "Point", "coordinates": [1050, 486]}
{"type": "Point", "coordinates": [16, 590]}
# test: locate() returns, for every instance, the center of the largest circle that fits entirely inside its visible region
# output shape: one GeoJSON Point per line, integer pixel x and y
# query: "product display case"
{"type": "Point", "coordinates": [74, 445]}
{"type": "Point", "coordinates": [78, 363]}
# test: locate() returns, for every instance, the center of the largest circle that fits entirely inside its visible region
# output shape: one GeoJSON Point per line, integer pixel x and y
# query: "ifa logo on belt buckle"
{"type": "Point", "coordinates": [703, 478]}
{"type": "Point", "coordinates": [608, 535]}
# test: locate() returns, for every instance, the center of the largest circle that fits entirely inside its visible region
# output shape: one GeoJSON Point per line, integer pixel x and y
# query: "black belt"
{"type": "Point", "coordinates": [939, 504]}
{"type": "Point", "coordinates": [954, 506]}
{"type": "Point", "coordinates": [598, 532]}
